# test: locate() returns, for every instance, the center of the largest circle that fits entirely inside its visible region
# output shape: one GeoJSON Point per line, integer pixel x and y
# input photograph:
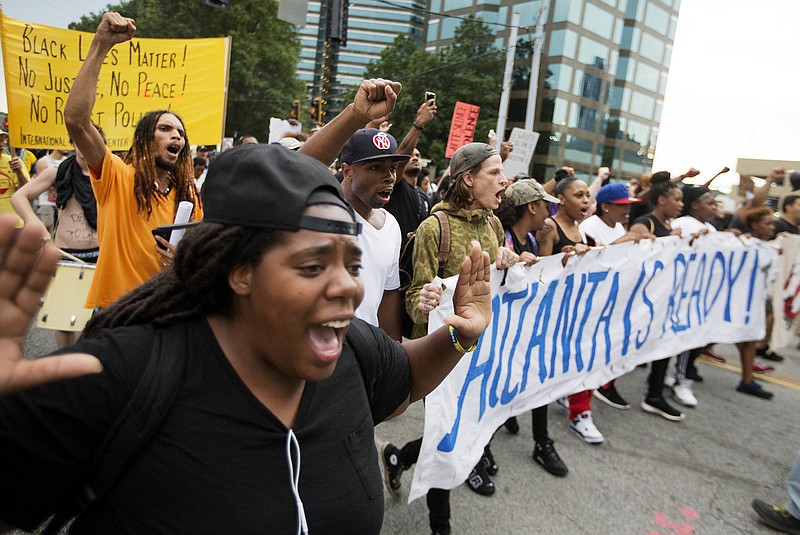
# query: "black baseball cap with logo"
{"type": "Point", "coordinates": [370, 144]}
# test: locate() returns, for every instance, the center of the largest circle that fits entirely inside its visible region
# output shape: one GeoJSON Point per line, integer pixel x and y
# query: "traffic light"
{"type": "Point", "coordinates": [314, 109]}
{"type": "Point", "coordinates": [321, 113]}
{"type": "Point", "coordinates": [295, 113]}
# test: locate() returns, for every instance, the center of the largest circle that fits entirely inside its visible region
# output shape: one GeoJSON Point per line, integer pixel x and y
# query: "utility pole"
{"type": "Point", "coordinates": [533, 86]}
{"type": "Point", "coordinates": [511, 51]}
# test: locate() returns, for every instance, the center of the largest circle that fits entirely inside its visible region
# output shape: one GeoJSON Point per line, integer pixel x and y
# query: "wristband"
{"type": "Point", "coordinates": [418, 127]}
{"type": "Point", "coordinates": [456, 343]}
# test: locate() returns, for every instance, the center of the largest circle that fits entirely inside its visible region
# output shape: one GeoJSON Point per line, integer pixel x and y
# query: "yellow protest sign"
{"type": "Point", "coordinates": [188, 76]}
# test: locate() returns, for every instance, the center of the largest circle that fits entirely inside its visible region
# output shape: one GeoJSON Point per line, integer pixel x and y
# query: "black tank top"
{"type": "Point", "coordinates": [563, 240]}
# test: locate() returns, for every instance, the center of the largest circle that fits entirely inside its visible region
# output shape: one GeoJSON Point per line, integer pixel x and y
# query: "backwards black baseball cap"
{"type": "Point", "coordinates": [269, 186]}
{"type": "Point", "coordinates": [370, 144]}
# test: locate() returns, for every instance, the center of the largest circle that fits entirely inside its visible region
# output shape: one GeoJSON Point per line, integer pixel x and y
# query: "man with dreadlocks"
{"type": "Point", "coordinates": [138, 194]}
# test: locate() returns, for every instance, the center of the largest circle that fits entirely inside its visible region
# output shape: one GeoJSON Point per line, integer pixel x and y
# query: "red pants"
{"type": "Point", "coordinates": [580, 402]}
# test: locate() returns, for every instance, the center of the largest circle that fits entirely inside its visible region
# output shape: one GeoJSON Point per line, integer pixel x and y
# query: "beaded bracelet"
{"type": "Point", "coordinates": [457, 344]}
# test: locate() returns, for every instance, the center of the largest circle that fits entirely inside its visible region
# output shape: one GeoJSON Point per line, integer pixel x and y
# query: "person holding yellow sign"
{"type": "Point", "coordinates": [134, 195]}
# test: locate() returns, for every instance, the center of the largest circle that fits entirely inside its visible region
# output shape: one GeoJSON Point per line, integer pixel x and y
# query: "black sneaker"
{"type": "Point", "coordinates": [754, 389]}
{"type": "Point", "coordinates": [694, 376]}
{"type": "Point", "coordinates": [662, 408]}
{"type": "Point", "coordinates": [545, 454]}
{"type": "Point", "coordinates": [776, 516]}
{"type": "Point", "coordinates": [480, 482]}
{"type": "Point", "coordinates": [392, 468]}
{"type": "Point", "coordinates": [610, 396]}
{"type": "Point", "coordinates": [766, 353]}
{"type": "Point", "coordinates": [488, 461]}
{"type": "Point", "coordinates": [512, 425]}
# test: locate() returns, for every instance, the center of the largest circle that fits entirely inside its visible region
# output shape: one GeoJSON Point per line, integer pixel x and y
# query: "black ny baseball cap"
{"type": "Point", "coordinates": [370, 144]}
{"type": "Point", "coordinates": [269, 186]}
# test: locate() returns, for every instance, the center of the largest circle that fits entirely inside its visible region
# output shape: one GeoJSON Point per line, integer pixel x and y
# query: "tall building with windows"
{"type": "Point", "coordinates": [602, 80]}
{"type": "Point", "coordinates": [372, 25]}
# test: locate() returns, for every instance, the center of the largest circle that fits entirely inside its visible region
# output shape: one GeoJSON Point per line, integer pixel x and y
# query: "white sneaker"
{"type": "Point", "coordinates": [682, 393]}
{"type": "Point", "coordinates": [669, 381]}
{"type": "Point", "coordinates": [564, 402]}
{"type": "Point", "coordinates": [583, 427]}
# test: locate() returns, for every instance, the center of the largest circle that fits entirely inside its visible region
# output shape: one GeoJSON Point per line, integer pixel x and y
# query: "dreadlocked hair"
{"type": "Point", "coordinates": [196, 284]}
{"type": "Point", "coordinates": [143, 160]}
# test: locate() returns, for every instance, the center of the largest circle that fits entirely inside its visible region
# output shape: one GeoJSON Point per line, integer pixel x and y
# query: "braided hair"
{"type": "Point", "coordinates": [143, 160]}
{"type": "Point", "coordinates": [197, 282]}
{"type": "Point", "coordinates": [660, 186]}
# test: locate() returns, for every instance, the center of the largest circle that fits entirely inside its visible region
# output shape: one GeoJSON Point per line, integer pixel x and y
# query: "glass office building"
{"type": "Point", "coordinates": [602, 80]}
{"type": "Point", "coordinates": [372, 25]}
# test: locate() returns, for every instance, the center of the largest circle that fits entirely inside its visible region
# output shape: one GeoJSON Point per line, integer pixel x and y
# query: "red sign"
{"type": "Point", "coordinates": [462, 127]}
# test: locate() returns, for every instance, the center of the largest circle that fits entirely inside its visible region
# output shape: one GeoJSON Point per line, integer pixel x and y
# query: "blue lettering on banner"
{"type": "Point", "coordinates": [605, 317]}
{"type": "Point", "coordinates": [751, 288]}
{"type": "Point", "coordinates": [508, 300]}
{"type": "Point", "coordinates": [595, 278]}
{"type": "Point", "coordinates": [696, 293]}
{"type": "Point", "coordinates": [731, 279]}
{"type": "Point", "coordinates": [626, 319]}
{"type": "Point", "coordinates": [658, 266]}
{"type": "Point", "coordinates": [538, 334]}
{"type": "Point", "coordinates": [564, 325]}
{"type": "Point", "coordinates": [698, 280]}
{"type": "Point", "coordinates": [475, 371]}
{"type": "Point", "coordinates": [719, 259]}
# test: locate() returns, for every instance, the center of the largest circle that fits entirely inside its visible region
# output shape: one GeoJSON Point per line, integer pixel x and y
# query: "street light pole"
{"type": "Point", "coordinates": [511, 50]}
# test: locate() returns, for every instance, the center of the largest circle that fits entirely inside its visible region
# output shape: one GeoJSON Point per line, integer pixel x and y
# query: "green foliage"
{"type": "Point", "coordinates": [470, 70]}
{"type": "Point", "coordinates": [264, 52]}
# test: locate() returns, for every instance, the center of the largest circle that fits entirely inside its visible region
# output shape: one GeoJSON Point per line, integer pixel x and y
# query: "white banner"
{"type": "Point", "coordinates": [559, 331]}
{"type": "Point", "coordinates": [786, 292]}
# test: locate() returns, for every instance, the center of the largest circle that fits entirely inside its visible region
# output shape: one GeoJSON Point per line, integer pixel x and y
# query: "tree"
{"type": "Point", "coordinates": [470, 70]}
{"type": "Point", "coordinates": [264, 52]}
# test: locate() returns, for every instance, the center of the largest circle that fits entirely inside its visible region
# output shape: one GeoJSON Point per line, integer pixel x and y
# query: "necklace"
{"type": "Point", "coordinates": [158, 189]}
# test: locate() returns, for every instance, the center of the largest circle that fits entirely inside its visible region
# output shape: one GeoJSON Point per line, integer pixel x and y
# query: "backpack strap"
{"type": "Point", "coordinates": [138, 422]}
{"type": "Point", "coordinates": [651, 224]}
{"type": "Point", "coordinates": [444, 241]}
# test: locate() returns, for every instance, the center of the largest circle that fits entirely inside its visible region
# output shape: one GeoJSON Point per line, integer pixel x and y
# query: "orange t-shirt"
{"type": "Point", "coordinates": [127, 247]}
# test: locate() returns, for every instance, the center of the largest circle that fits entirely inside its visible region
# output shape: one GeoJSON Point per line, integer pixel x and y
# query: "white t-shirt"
{"type": "Point", "coordinates": [381, 261]}
{"type": "Point", "coordinates": [602, 233]}
{"type": "Point", "coordinates": [691, 225]}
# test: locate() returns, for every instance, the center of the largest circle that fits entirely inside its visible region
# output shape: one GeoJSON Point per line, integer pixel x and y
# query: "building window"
{"type": "Point", "coordinates": [554, 111]}
{"type": "Point", "coordinates": [578, 149]}
{"type": "Point", "coordinates": [593, 53]}
{"type": "Point", "coordinates": [642, 105]}
{"type": "Point", "coordinates": [568, 10]}
{"type": "Point", "coordinates": [599, 21]}
{"type": "Point", "coordinates": [633, 9]}
{"type": "Point", "coordinates": [657, 19]}
{"type": "Point", "coordinates": [651, 48]}
{"type": "Point", "coordinates": [562, 43]}
{"type": "Point", "coordinates": [559, 77]}
{"type": "Point", "coordinates": [455, 4]}
{"type": "Point", "coordinates": [587, 86]}
{"type": "Point", "coordinates": [433, 30]}
{"type": "Point", "coordinates": [647, 77]}
{"type": "Point", "coordinates": [625, 69]}
{"type": "Point", "coordinates": [528, 12]}
{"type": "Point", "coordinates": [583, 117]}
{"type": "Point", "coordinates": [449, 26]}
{"type": "Point", "coordinates": [630, 38]}
{"type": "Point", "coordinates": [638, 133]}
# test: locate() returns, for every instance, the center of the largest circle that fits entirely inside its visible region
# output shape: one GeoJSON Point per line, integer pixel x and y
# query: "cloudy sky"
{"type": "Point", "coordinates": [732, 91]}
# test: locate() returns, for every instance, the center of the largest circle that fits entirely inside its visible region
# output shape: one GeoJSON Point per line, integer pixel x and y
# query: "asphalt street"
{"type": "Point", "coordinates": [651, 477]}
